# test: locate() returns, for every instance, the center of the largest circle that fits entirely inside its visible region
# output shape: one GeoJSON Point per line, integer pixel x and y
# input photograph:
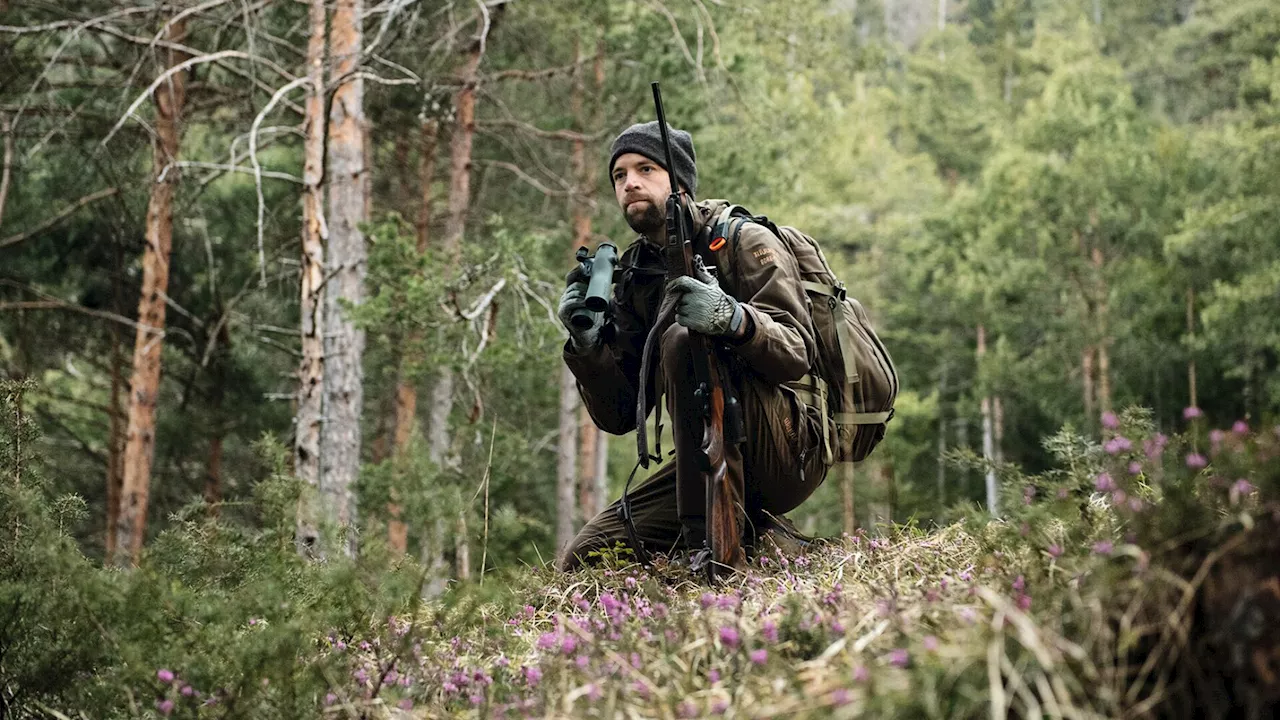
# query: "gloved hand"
{"type": "Point", "coordinates": [573, 298]}
{"type": "Point", "coordinates": [703, 307]}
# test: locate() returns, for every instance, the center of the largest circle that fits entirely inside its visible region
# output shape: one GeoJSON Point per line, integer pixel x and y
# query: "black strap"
{"type": "Point", "coordinates": [628, 521]}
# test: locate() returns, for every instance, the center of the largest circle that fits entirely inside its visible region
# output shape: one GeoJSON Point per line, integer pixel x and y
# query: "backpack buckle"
{"type": "Point", "coordinates": [841, 294]}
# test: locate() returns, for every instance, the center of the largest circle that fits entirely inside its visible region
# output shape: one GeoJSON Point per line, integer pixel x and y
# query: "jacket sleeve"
{"type": "Point", "coordinates": [782, 347]}
{"type": "Point", "coordinates": [608, 374]}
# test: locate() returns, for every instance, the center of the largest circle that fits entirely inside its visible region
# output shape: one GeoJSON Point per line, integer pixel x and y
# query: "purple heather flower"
{"type": "Point", "coordinates": [187, 691]}
{"type": "Point", "coordinates": [1136, 504]}
{"type": "Point", "coordinates": [719, 706]}
{"type": "Point", "coordinates": [165, 676]}
{"type": "Point", "coordinates": [1119, 497]}
{"type": "Point", "coordinates": [407, 703]}
{"type": "Point", "coordinates": [930, 643]}
{"type": "Point", "coordinates": [1191, 413]}
{"type": "Point", "coordinates": [582, 661]}
{"type": "Point", "coordinates": [1240, 427]}
{"type": "Point", "coordinates": [968, 614]}
{"type": "Point", "coordinates": [759, 657]}
{"type": "Point", "coordinates": [164, 706]}
{"type": "Point", "coordinates": [1154, 446]}
{"type": "Point", "coordinates": [729, 636]}
{"type": "Point", "coordinates": [713, 676]}
{"type": "Point", "coordinates": [1110, 421]}
{"type": "Point", "coordinates": [861, 674]}
{"type": "Point", "coordinates": [568, 644]}
{"type": "Point", "coordinates": [594, 692]}
{"type": "Point", "coordinates": [529, 611]}
{"type": "Point", "coordinates": [1024, 602]}
{"type": "Point", "coordinates": [727, 602]}
{"type": "Point", "coordinates": [630, 582]}
{"type": "Point", "coordinates": [1104, 483]}
{"type": "Point", "coordinates": [1135, 467]}
{"type": "Point", "coordinates": [1117, 445]}
{"type": "Point", "coordinates": [1020, 584]}
{"type": "Point", "coordinates": [1239, 489]}
{"type": "Point", "coordinates": [365, 645]}
{"type": "Point", "coordinates": [1195, 461]}
{"type": "Point", "coordinates": [707, 600]}
{"type": "Point", "coordinates": [1055, 550]}
{"type": "Point", "coordinates": [1103, 547]}
{"type": "Point", "coordinates": [548, 640]}
{"type": "Point", "coordinates": [1216, 437]}
{"type": "Point", "coordinates": [686, 709]}
{"type": "Point", "coordinates": [1063, 494]}
{"type": "Point", "coordinates": [899, 657]}
{"type": "Point", "coordinates": [640, 689]}
{"type": "Point", "coordinates": [532, 676]}
{"type": "Point", "coordinates": [330, 699]}
{"type": "Point", "coordinates": [770, 631]}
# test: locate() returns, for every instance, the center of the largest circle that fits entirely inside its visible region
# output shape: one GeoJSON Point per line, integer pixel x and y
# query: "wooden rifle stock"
{"type": "Point", "coordinates": [723, 526]}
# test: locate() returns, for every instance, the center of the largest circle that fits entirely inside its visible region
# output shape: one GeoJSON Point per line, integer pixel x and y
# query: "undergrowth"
{"type": "Point", "coordinates": [1131, 581]}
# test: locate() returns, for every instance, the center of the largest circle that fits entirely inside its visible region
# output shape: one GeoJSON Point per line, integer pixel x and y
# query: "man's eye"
{"type": "Point", "coordinates": [645, 169]}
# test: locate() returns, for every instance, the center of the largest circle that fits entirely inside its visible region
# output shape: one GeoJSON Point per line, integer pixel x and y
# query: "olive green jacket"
{"type": "Point", "coordinates": [757, 270]}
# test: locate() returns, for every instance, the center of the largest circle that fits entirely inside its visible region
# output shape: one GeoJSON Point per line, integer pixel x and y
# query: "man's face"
{"type": "Point", "coordinates": [641, 187]}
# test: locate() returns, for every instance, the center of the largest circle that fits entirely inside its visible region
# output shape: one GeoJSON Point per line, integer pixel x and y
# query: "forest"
{"type": "Point", "coordinates": [282, 378]}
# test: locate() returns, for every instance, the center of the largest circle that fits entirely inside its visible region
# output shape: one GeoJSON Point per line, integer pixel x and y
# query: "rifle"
{"type": "Point", "coordinates": [717, 405]}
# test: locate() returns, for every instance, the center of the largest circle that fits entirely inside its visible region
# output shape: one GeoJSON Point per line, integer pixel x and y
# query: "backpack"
{"type": "Point", "coordinates": [855, 384]}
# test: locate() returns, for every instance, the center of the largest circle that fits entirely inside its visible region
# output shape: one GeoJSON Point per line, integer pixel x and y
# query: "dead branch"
{"type": "Point", "coordinates": [257, 168]}
{"type": "Point", "coordinates": [525, 127]}
{"type": "Point", "coordinates": [273, 174]}
{"type": "Point", "coordinates": [8, 164]}
{"type": "Point", "coordinates": [533, 75]}
{"type": "Point", "coordinates": [162, 77]}
{"type": "Point", "coordinates": [67, 211]}
{"type": "Point", "coordinates": [524, 176]}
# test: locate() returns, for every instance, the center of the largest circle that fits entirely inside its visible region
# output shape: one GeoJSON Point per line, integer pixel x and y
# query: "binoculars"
{"type": "Point", "coordinates": [597, 271]}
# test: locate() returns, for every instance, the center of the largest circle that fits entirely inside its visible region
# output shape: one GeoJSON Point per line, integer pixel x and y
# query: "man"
{"type": "Point", "coordinates": [757, 309]}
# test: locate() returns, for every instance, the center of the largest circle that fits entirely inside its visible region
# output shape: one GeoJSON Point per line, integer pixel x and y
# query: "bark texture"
{"type": "Point", "coordinates": [988, 437]}
{"type": "Point", "coordinates": [460, 144]}
{"type": "Point", "coordinates": [343, 341]}
{"type": "Point", "coordinates": [566, 457]}
{"type": "Point", "coordinates": [306, 449]}
{"type": "Point", "coordinates": [140, 439]}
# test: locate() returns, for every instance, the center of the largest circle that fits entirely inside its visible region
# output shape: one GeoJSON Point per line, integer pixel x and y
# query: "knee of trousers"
{"type": "Point", "coordinates": [676, 349]}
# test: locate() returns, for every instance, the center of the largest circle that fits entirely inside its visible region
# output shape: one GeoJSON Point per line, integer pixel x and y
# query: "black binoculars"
{"type": "Point", "coordinates": [597, 271]}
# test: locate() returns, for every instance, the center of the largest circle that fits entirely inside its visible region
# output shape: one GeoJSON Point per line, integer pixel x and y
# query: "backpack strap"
{"type": "Point", "coordinates": [836, 295]}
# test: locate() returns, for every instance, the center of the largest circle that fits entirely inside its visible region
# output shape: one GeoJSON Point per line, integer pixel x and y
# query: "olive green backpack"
{"type": "Point", "coordinates": [854, 384]}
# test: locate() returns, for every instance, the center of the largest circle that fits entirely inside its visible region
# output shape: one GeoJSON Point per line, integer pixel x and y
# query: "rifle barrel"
{"type": "Point", "coordinates": [666, 138]}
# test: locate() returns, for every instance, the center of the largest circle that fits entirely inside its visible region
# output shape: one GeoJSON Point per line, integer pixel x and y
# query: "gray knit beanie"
{"type": "Point", "coordinates": [646, 139]}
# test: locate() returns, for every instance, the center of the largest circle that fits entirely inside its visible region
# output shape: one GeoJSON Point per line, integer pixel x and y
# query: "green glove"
{"type": "Point", "coordinates": [575, 297]}
{"type": "Point", "coordinates": [703, 307]}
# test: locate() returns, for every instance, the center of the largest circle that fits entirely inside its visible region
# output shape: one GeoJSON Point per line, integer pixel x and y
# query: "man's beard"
{"type": "Point", "coordinates": [650, 220]}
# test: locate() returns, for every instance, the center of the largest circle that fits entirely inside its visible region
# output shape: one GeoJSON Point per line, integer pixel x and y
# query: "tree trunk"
{"type": "Point", "coordinates": [115, 431]}
{"type": "Point", "coordinates": [462, 548]}
{"type": "Point", "coordinates": [1102, 308]}
{"type": "Point", "coordinates": [880, 504]}
{"type": "Point", "coordinates": [601, 476]}
{"type": "Point", "coordinates": [988, 439]}
{"type": "Point", "coordinates": [218, 381]}
{"type": "Point", "coordinates": [406, 390]}
{"type": "Point", "coordinates": [997, 418]}
{"type": "Point", "coordinates": [144, 386]}
{"type": "Point", "coordinates": [455, 227]}
{"type": "Point", "coordinates": [565, 455]}
{"type": "Point", "coordinates": [306, 449]}
{"type": "Point", "coordinates": [588, 447]}
{"type": "Point", "coordinates": [582, 203]}
{"type": "Point", "coordinates": [942, 439]}
{"type": "Point", "coordinates": [847, 475]}
{"type": "Point", "coordinates": [1086, 375]}
{"type": "Point", "coordinates": [1191, 357]}
{"type": "Point", "coordinates": [343, 341]}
